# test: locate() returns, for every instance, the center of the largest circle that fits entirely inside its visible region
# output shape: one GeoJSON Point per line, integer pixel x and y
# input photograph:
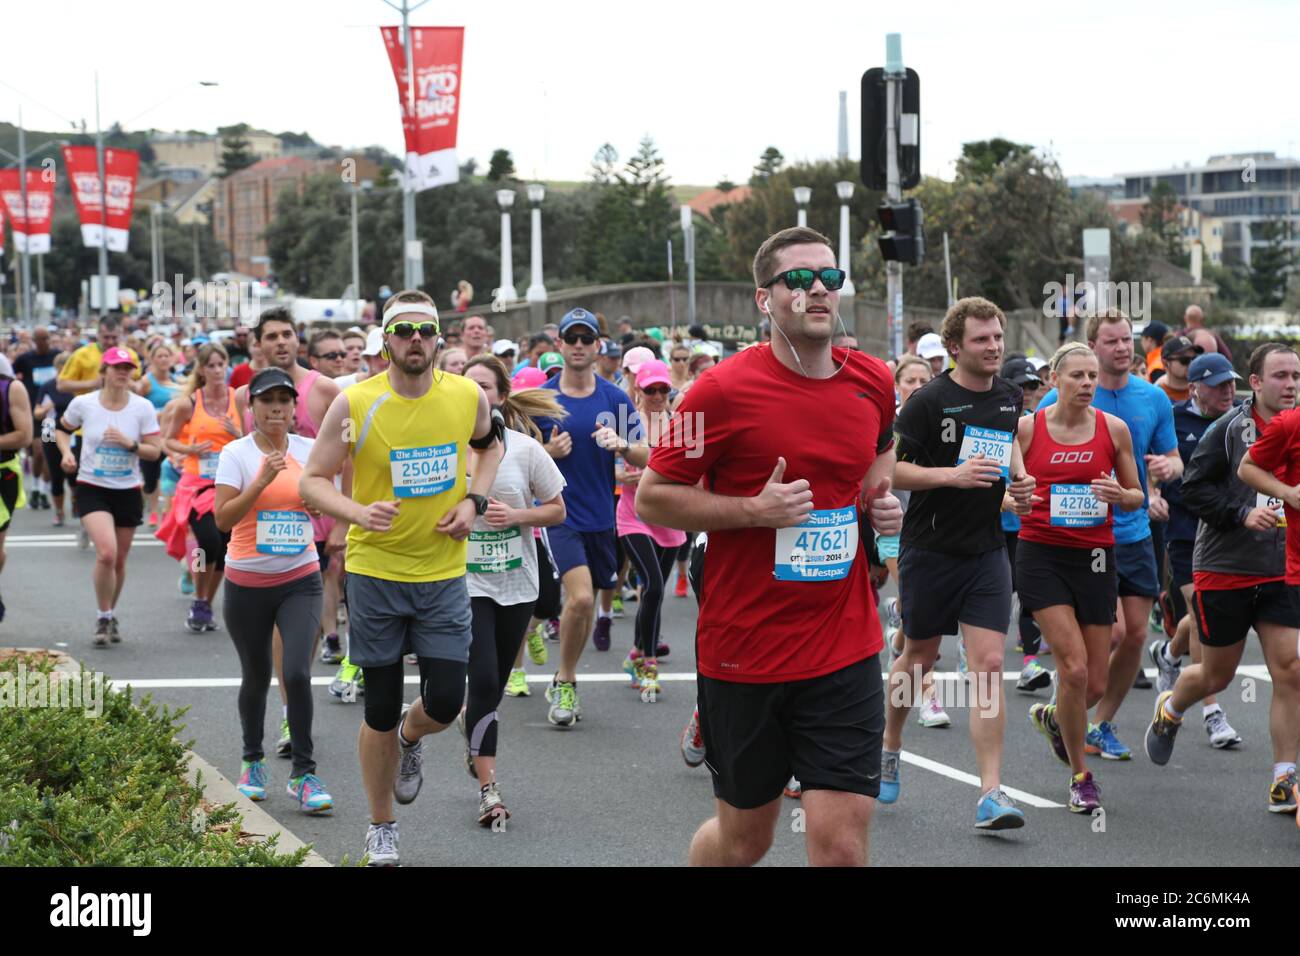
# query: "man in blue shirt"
{"type": "Point", "coordinates": [602, 423]}
{"type": "Point", "coordinates": [1150, 419]}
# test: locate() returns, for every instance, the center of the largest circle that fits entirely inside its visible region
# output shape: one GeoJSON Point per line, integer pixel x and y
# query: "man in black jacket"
{"type": "Point", "coordinates": [1239, 566]}
{"type": "Point", "coordinates": [1212, 382]}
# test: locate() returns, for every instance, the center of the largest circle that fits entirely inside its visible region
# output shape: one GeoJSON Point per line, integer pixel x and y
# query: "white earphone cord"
{"type": "Point", "coordinates": [795, 351]}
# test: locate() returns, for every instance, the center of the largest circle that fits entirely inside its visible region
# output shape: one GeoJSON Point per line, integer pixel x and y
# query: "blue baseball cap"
{"type": "Point", "coordinates": [1211, 369]}
{"type": "Point", "coordinates": [579, 317]}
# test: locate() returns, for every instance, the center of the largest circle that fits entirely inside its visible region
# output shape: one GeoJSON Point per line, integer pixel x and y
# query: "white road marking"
{"type": "Point", "coordinates": [952, 773]}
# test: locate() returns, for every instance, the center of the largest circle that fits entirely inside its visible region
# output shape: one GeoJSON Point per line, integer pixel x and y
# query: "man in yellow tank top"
{"type": "Point", "coordinates": [410, 434]}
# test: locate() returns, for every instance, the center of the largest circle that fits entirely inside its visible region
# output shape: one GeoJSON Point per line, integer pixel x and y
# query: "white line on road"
{"type": "Point", "coordinates": [952, 773]}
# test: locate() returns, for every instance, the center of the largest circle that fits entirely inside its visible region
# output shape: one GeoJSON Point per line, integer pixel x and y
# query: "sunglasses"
{"type": "Point", "coordinates": [656, 390]}
{"type": "Point", "coordinates": [1181, 359]}
{"type": "Point", "coordinates": [404, 330]}
{"type": "Point", "coordinates": [572, 339]}
{"type": "Point", "coordinates": [832, 279]}
{"type": "Point", "coordinates": [332, 356]}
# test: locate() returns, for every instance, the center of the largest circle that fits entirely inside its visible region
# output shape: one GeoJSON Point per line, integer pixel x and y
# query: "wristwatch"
{"type": "Point", "coordinates": [480, 503]}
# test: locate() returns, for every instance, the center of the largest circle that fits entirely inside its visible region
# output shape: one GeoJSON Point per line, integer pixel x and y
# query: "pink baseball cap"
{"type": "Point", "coordinates": [653, 372]}
{"type": "Point", "coordinates": [528, 377]}
{"type": "Point", "coordinates": [119, 356]}
{"type": "Point", "coordinates": [633, 359]}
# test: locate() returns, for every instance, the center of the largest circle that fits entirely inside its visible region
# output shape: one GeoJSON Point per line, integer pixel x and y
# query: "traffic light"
{"type": "Point", "coordinates": [904, 237]}
{"type": "Point", "coordinates": [907, 118]}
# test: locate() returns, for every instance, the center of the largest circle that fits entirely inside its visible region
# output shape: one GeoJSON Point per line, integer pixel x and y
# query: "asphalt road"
{"type": "Point", "coordinates": [615, 791]}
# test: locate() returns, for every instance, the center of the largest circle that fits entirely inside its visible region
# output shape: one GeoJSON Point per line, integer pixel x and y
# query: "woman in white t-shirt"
{"type": "Point", "coordinates": [501, 567]}
{"type": "Point", "coordinates": [118, 428]}
{"type": "Point", "coordinates": [272, 580]}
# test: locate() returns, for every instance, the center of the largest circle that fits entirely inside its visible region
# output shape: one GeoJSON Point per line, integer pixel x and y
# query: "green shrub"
{"type": "Point", "coordinates": [109, 791]}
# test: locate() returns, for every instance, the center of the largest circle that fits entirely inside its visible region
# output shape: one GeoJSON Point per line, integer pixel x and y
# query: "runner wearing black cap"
{"type": "Point", "coordinates": [1177, 355]}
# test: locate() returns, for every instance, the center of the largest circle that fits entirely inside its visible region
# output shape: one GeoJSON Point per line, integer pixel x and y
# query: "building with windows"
{"type": "Point", "coordinates": [1241, 190]}
{"type": "Point", "coordinates": [204, 152]}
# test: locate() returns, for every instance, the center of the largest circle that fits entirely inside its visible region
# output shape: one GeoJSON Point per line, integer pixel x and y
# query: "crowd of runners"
{"type": "Point", "coordinates": [403, 496]}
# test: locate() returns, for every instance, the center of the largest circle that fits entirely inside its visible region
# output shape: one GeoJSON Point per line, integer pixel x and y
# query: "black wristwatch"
{"type": "Point", "coordinates": [480, 503]}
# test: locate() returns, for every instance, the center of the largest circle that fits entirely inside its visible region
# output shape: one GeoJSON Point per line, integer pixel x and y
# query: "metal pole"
{"type": "Point", "coordinates": [25, 307]}
{"type": "Point", "coordinates": [356, 261]}
{"type": "Point", "coordinates": [412, 269]}
{"type": "Point", "coordinates": [688, 255]}
{"type": "Point", "coordinates": [894, 192]}
{"type": "Point", "coordinates": [947, 269]}
{"type": "Point", "coordinates": [153, 245]}
{"type": "Point", "coordinates": [672, 291]}
{"type": "Point", "coordinates": [195, 231]}
{"type": "Point", "coordinates": [103, 208]}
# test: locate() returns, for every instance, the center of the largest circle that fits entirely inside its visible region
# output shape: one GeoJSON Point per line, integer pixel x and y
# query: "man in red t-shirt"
{"type": "Point", "coordinates": [791, 439]}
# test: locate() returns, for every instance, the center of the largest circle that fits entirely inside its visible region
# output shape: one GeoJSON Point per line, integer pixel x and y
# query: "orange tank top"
{"type": "Point", "coordinates": [204, 427]}
{"type": "Point", "coordinates": [274, 509]}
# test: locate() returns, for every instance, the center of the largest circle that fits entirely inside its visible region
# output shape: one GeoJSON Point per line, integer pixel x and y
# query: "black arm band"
{"type": "Point", "coordinates": [498, 432]}
{"type": "Point", "coordinates": [59, 426]}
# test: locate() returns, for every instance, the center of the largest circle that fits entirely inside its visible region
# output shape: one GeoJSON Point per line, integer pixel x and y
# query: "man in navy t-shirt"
{"type": "Point", "coordinates": [602, 422]}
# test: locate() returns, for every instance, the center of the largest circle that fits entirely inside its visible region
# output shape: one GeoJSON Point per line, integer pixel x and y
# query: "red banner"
{"type": "Point", "coordinates": [31, 224]}
{"type": "Point", "coordinates": [121, 167]}
{"type": "Point", "coordinates": [430, 126]}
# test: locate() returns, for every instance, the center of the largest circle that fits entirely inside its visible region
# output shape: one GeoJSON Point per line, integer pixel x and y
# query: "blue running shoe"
{"type": "Point", "coordinates": [997, 812]}
{"type": "Point", "coordinates": [310, 793]}
{"type": "Point", "coordinates": [889, 764]}
{"type": "Point", "coordinates": [1101, 739]}
{"type": "Point", "coordinates": [252, 779]}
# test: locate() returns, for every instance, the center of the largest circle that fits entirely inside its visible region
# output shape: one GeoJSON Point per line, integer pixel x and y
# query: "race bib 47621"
{"type": "Point", "coordinates": [820, 549]}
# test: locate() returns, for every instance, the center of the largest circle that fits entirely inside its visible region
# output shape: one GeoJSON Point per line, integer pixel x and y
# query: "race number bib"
{"type": "Point", "coordinates": [988, 442]}
{"type": "Point", "coordinates": [42, 375]}
{"type": "Point", "coordinates": [113, 462]}
{"type": "Point", "coordinates": [208, 465]}
{"type": "Point", "coordinates": [820, 549]}
{"type": "Point", "coordinates": [283, 532]}
{"type": "Point", "coordinates": [491, 552]}
{"type": "Point", "coordinates": [1075, 506]}
{"type": "Point", "coordinates": [1272, 504]}
{"type": "Point", "coordinates": [421, 472]}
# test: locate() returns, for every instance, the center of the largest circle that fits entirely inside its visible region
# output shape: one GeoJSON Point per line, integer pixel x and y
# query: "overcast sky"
{"type": "Point", "coordinates": [1108, 86]}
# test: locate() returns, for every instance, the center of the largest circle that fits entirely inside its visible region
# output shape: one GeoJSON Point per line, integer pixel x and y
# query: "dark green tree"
{"type": "Point", "coordinates": [236, 152]}
{"type": "Point", "coordinates": [604, 166]}
{"type": "Point", "coordinates": [1269, 263]}
{"type": "Point", "coordinates": [1160, 217]}
{"type": "Point", "coordinates": [500, 166]}
{"type": "Point", "coordinates": [769, 164]}
{"type": "Point", "coordinates": [979, 159]}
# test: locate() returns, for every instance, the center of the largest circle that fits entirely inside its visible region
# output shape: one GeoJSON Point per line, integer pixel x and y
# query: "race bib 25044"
{"type": "Point", "coordinates": [1075, 506]}
{"type": "Point", "coordinates": [988, 442]}
{"type": "Point", "coordinates": [420, 472]}
{"type": "Point", "coordinates": [820, 549]}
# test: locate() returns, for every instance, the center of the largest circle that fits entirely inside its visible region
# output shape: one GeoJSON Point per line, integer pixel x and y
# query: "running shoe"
{"type": "Point", "coordinates": [616, 606]}
{"type": "Point", "coordinates": [600, 636]}
{"type": "Point", "coordinates": [413, 660]}
{"type": "Point", "coordinates": [1159, 741]}
{"type": "Point", "coordinates": [517, 684]}
{"type": "Point", "coordinates": [186, 583]}
{"type": "Point", "coordinates": [310, 793]}
{"type": "Point", "coordinates": [996, 811]}
{"type": "Point", "coordinates": [491, 807]}
{"type": "Point", "coordinates": [349, 683]}
{"type": "Point", "coordinates": [114, 632]}
{"type": "Point", "coordinates": [632, 667]}
{"type": "Point", "coordinates": [1085, 795]}
{"type": "Point", "coordinates": [1043, 717]}
{"type": "Point", "coordinates": [1166, 673]}
{"type": "Point", "coordinates": [553, 630]}
{"type": "Point", "coordinates": [1282, 795]}
{"type": "Point", "coordinates": [1168, 619]}
{"type": "Point", "coordinates": [194, 619]}
{"type": "Point", "coordinates": [1156, 619]}
{"type": "Point", "coordinates": [537, 644]}
{"type": "Point", "coordinates": [469, 757]}
{"type": "Point", "coordinates": [209, 619]}
{"type": "Point", "coordinates": [650, 689]}
{"type": "Point", "coordinates": [284, 746]}
{"type": "Point", "coordinates": [889, 764]}
{"type": "Point", "coordinates": [891, 636]}
{"type": "Point", "coordinates": [629, 593]}
{"type": "Point", "coordinates": [1101, 739]}
{"type": "Point", "coordinates": [564, 710]}
{"type": "Point", "coordinates": [103, 630]}
{"type": "Point", "coordinates": [1142, 682]}
{"type": "Point", "coordinates": [252, 779]}
{"type": "Point", "coordinates": [381, 845]}
{"type": "Point", "coordinates": [692, 742]}
{"type": "Point", "coordinates": [932, 714]}
{"type": "Point", "coordinates": [153, 520]}
{"type": "Point", "coordinates": [662, 649]}
{"type": "Point", "coordinates": [680, 589]}
{"type": "Point", "coordinates": [1220, 731]}
{"type": "Point", "coordinates": [890, 608]}
{"type": "Point", "coordinates": [58, 520]}
{"type": "Point", "coordinates": [331, 651]}
{"type": "Point", "coordinates": [1033, 676]}
{"type": "Point", "coordinates": [961, 655]}
{"type": "Point", "coordinates": [793, 788]}
{"type": "Point", "coordinates": [410, 769]}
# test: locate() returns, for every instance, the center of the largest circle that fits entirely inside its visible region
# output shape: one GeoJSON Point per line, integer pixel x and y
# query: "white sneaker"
{"type": "Point", "coordinates": [932, 714]}
{"type": "Point", "coordinates": [381, 844]}
{"type": "Point", "coordinates": [1220, 731]}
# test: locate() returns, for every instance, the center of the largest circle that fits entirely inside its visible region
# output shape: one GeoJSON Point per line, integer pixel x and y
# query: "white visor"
{"type": "Point", "coordinates": [401, 308]}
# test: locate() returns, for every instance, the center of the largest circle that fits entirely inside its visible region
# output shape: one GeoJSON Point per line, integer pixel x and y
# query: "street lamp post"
{"type": "Point", "coordinates": [412, 253]}
{"type": "Point", "coordinates": [506, 291]}
{"type": "Point", "coordinates": [536, 294]}
{"type": "Point", "coordinates": [688, 253]}
{"type": "Point", "coordinates": [845, 192]}
{"type": "Point", "coordinates": [802, 196]}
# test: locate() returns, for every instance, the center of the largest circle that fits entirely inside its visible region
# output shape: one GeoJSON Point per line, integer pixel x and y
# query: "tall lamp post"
{"type": "Point", "coordinates": [536, 294]}
{"type": "Point", "coordinates": [845, 191]}
{"type": "Point", "coordinates": [802, 196]}
{"type": "Point", "coordinates": [688, 253]}
{"type": "Point", "coordinates": [506, 292]}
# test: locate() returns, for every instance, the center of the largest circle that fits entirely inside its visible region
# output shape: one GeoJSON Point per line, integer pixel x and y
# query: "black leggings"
{"type": "Point", "coordinates": [150, 471]}
{"type": "Point", "coordinates": [442, 691]}
{"type": "Point", "coordinates": [653, 563]}
{"type": "Point", "coordinates": [548, 585]}
{"type": "Point", "coordinates": [498, 632]}
{"type": "Point", "coordinates": [250, 614]}
{"type": "Point", "coordinates": [1030, 636]}
{"type": "Point", "coordinates": [53, 457]}
{"type": "Point", "coordinates": [212, 541]}
{"type": "Point", "coordinates": [684, 552]}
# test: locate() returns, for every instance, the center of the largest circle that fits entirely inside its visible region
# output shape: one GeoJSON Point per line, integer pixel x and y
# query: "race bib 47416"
{"type": "Point", "coordinates": [283, 532]}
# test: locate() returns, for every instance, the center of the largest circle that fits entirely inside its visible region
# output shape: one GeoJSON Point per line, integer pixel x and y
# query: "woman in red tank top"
{"type": "Point", "coordinates": [1082, 462]}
